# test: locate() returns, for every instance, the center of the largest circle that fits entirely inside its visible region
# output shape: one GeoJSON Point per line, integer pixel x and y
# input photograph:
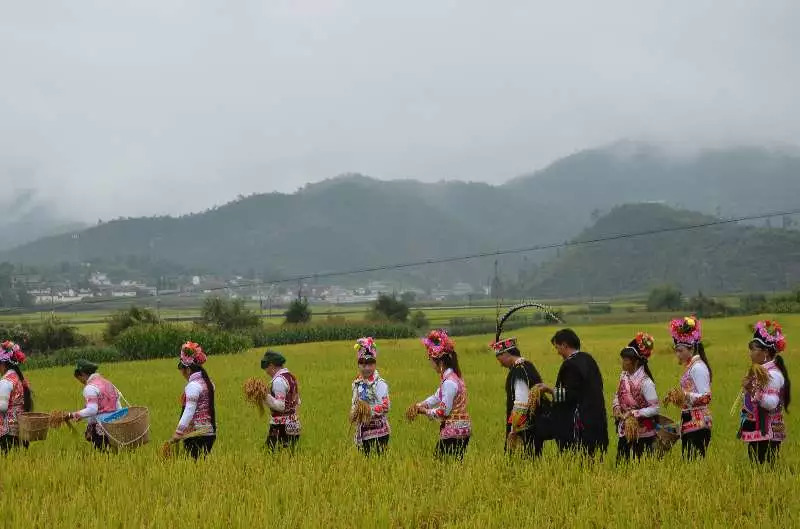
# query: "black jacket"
{"type": "Point", "coordinates": [579, 405]}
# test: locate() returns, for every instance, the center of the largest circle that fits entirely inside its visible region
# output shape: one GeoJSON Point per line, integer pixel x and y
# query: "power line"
{"type": "Point", "coordinates": [464, 257]}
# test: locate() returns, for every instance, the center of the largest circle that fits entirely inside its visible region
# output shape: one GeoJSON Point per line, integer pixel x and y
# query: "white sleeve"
{"type": "Point", "coordinates": [382, 392]}
{"type": "Point", "coordinates": [192, 393]}
{"type": "Point", "coordinates": [431, 401]}
{"type": "Point", "coordinates": [702, 382]}
{"type": "Point", "coordinates": [770, 397]}
{"type": "Point", "coordinates": [5, 394]}
{"type": "Point", "coordinates": [649, 392]}
{"type": "Point", "coordinates": [355, 396]}
{"type": "Point", "coordinates": [444, 405]}
{"type": "Point", "coordinates": [91, 395]}
{"type": "Point", "coordinates": [521, 392]}
{"type": "Point", "coordinates": [280, 387]}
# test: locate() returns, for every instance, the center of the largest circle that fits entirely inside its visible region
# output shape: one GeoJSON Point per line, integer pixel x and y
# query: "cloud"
{"type": "Point", "coordinates": [132, 108]}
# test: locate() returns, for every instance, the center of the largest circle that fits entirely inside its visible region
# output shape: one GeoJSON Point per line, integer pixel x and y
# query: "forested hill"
{"type": "Point", "coordinates": [355, 221]}
{"type": "Point", "coordinates": [724, 258]}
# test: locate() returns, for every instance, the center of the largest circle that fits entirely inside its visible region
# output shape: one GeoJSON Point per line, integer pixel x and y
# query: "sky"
{"type": "Point", "coordinates": [145, 107]}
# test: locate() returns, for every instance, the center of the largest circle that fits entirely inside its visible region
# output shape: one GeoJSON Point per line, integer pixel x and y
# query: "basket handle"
{"type": "Point", "coordinates": [120, 443]}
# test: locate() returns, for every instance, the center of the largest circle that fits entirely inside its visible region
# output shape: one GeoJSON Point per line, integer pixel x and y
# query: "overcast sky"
{"type": "Point", "coordinates": [163, 106]}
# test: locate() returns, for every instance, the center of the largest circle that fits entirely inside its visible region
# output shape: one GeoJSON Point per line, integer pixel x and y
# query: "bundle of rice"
{"type": "Point", "coordinates": [411, 412]}
{"type": "Point", "coordinates": [675, 396]}
{"type": "Point", "coordinates": [534, 398]}
{"type": "Point", "coordinates": [59, 418]}
{"type": "Point", "coordinates": [361, 414]}
{"type": "Point", "coordinates": [255, 392]}
{"type": "Point", "coordinates": [166, 450]}
{"type": "Point", "coordinates": [759, 375]}
{"type": "Point", "coordinates": [667, 434]}
{"type": "Point", "coordinates": [630, 427]}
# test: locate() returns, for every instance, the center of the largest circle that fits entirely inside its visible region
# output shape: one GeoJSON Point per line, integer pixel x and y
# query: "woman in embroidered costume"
{"type": "Point", "coordinates": [766, 394]}
{"type": "Point", "coordinates": [101, 397]}
{"type": "Point", "coordinates": [694, 394]}
{"type": "Point", "coordinates": [198, 412]}
{"type": "Point", "coordinates": [635, 404]}
{"type": "Point", "coordinates": [449, 404]}
{"type": "Point", "coordinates": [15, 395]}
{"type": "Point", "coordinates": [372, 429]}
{"type": "Point", "coordinates": [522, 378]}
{"type": "Point", "coordinates": [283, 401]}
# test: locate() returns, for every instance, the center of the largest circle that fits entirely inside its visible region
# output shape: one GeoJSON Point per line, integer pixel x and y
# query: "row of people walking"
{"type": "Point", "coordinates": [571, 412]}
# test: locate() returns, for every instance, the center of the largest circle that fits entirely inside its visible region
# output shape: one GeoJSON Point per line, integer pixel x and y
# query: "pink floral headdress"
{"type": "Point", "coordinates": [11, 352]}
{"type": "Point", "coordinates": [366, 348]}
{"type": "Point", "coordinates": [770, 334]}
{"type": "Point", "coordinates": [438, 343]}
{"type": "Point", "coordinates": [192, 354]}
{"type": "Point", "coordinates": [686, 331]}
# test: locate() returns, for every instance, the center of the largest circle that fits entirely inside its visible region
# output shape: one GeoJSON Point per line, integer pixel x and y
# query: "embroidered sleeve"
{"type": "Point", "coordinates": [615, 407]}
{"type": "Point", "coordinates": [192, 393]}
{"type": "Point", "coordinates": [650, 395]}
{"type": "Point", "coordinates": [92, 397]}
{"type": "Point", "coordinates": [702, 382]}
{"type": "Point", "coordinates": [447, 393]}
{"type": "Point", "coordinates": [770, 397]}
{"type": "Point", "coordinates": [5, 394]}
{"type": "Point", "coordinates": [382, 392]}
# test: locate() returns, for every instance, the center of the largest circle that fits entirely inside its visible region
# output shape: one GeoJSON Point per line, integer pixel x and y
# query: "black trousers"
{"type": "Point", "coordinates": [278, 438]}
{"type": "Point", "coordinates": [531, 445]}
{"type": "Point", "coordinates": [8, 441]}
{"type": "Point", "coordinates": [451, 448]}
{"type": "Point", "coordinates": [694, 444]}
{"type": "Point", "coordinates": [377, 445]}
{"type": "Point", "coordinates": [198, 447]}
{"type": "Point", "coordinates": [763, 451]}
{"type": "Point", "coordinates": [638, 448]}
{"type": "Point", "coordinates": [99, 441]}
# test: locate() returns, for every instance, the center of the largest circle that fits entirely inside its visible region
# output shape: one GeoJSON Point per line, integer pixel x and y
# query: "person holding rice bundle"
{"type": "Point", "coordinates": [370, 403]}
{"type": "Point", "coordinates": [766, 394]}
{"type": "Point", "coordinates": [635, 405]}
{"type": "Point", "coordinates": [449, 404]}
{"type": "Point", "coordinates": [283, 401]}
{"type": "Point", "coordinates": [15, 395]}
{"type": "Point", "coordinates": [198, 423]}
{"type": "Point", "coordinates": [694, 394]}
{"type": "Point", "coordinates": [101, 397]}
{"type": "Point", "coordinates": [520, 382]}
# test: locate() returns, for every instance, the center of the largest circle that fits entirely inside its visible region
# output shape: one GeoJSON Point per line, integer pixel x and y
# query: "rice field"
{"type": "Point", "coordinates": [62, 482]}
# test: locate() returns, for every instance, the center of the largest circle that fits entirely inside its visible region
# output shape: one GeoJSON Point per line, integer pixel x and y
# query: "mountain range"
{"type": "Point", "coordinates": [353, 221]}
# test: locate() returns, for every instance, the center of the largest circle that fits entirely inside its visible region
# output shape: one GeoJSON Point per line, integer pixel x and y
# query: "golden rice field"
{"type": "Point", "coordinates": [62, 482]}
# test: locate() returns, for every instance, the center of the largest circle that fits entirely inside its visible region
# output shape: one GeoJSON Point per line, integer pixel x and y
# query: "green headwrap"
{"type": "Point", "coordinates": [274, 358]}
{"type": "Point", "coordinates": [85, 367]}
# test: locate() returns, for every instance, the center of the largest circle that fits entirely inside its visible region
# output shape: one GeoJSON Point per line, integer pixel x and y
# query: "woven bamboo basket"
{"type": "Point", "coordinates": [130, 431]}
{"type": "Point", "coordinates": [667, 434]}
{"type": "Point", "coordinates": [33, 426]}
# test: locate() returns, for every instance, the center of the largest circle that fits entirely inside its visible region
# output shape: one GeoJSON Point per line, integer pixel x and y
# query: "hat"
{"type": "Point", "coordinates": [85, 367]}
{"type": "Point", "coordinates": [438, 343]}
{"type": "Point", "coordinates": [274, 358]}
{"type": "Point", "coordinates": [366, 349]}
{"type": "Point", "coordinates": [641, 347]}
{"type": "Point", "coordinates": [769, 334]}
{"type": "Point", "coordinates": [192, 354]}
{"type": "Point", "coordinates": [503, 346]}
{"type": "Point", "coordinates": [686, 331]}
{"type": "Point", "coordinates": [11, 353]}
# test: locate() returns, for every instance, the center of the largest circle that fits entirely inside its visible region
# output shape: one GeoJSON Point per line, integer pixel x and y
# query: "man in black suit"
{"type": "Point", "coordinates": [579, 410]}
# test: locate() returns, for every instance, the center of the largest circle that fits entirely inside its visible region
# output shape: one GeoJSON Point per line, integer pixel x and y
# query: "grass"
{"type": "Point", "coordinates": [62, 482]}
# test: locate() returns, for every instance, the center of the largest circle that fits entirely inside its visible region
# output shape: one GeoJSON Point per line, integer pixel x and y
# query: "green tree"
{"type": "Point", "coordinates": [298, 311]}
{"type": "Point", "coordinates": [665, 297]}
{"type": "Point", "coordinates": [124, 319]}
{"type": "Point", "coordinates": [388, 307]}
{"type": "Point", "coordinates": [419, 320]}
{"type": "Point", "coordinates": [228, 314]}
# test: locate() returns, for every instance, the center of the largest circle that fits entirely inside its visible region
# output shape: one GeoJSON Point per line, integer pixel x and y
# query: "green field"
{"type": "Point", "coordinates": [62, 482]}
